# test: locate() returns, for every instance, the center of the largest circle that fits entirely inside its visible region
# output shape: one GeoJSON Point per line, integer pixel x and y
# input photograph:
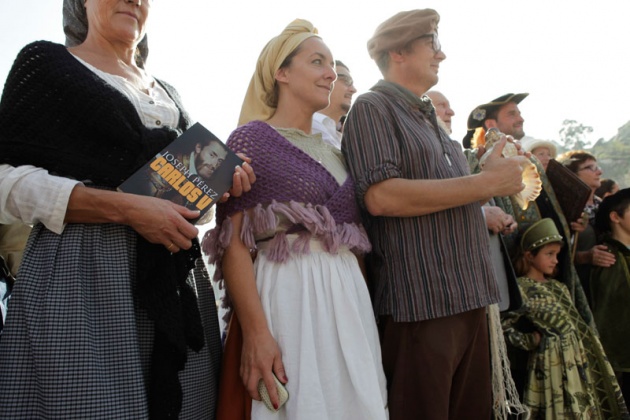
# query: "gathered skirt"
{"type": "Point", "coordinates": [319, 311]}
{"type": "Point", "coordinates": [76, 344]}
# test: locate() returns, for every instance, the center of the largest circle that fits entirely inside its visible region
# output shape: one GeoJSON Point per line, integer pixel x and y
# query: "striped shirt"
{"type": "Point", "coordinates": [423, 267]}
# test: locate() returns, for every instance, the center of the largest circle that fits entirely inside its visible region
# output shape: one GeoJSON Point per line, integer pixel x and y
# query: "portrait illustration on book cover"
{"type": "Point", "coordinates": [195, 170]}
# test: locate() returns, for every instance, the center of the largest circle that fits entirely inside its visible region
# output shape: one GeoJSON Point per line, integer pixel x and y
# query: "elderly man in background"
{"type": "Point", "coordinates": [328, 120]}
{"type": "Point", "coordinates": [430, 266]}
{"type": "Point", "coordinates": [497, 221]}
{"type": "Point", "coordinates": [442, 109]}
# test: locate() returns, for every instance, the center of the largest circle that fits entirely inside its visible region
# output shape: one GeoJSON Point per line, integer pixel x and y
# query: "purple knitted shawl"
{"type": "Point", "coordinates": [285, 177]}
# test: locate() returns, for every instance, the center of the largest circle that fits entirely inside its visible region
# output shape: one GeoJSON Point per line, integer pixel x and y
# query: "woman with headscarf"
{"type": "Point", "coordinates": [112, 315]}
{"type": "Point", "coordinates": [303, 303]}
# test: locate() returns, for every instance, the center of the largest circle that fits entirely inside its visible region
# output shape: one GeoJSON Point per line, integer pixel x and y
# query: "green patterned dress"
{"type": "Point", "coordinates": [569, 376]}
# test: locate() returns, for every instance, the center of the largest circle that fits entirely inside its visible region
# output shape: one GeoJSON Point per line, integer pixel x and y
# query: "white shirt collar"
{"type": "Point", "coordinates": [328, 128]}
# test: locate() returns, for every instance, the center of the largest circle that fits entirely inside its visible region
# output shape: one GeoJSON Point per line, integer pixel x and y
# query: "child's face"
{"type": "Point", "coordinates": [621, 226]}
{"type": "Point", "coordinates": [546, 260]}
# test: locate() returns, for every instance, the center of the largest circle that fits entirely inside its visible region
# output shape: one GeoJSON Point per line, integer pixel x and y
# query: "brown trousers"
{"type": "Point", "coordinates": [438, 369]}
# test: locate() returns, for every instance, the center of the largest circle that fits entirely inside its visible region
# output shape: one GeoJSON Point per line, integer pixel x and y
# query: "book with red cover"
{"type": "Point", "coordinates": [194, 170]}
{"type": "Point", "coordinates": [571, 191]}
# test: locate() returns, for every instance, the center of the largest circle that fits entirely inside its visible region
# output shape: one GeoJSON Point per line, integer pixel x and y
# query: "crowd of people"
{"type": "Point", "coordinates": [373, 267]}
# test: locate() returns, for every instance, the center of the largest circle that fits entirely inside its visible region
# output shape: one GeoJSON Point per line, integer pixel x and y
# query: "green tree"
{"type": "Point", "coordinates": [573, 135]}
{"type": "Point", "coordinates": [614, 156]}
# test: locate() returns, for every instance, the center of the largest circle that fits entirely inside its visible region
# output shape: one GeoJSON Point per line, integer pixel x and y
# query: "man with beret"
{"type": "Point", "coordinates": [430, 270]}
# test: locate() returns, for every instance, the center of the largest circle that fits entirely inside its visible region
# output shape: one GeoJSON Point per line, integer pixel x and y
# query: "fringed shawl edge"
{"type": "Point", "coordinates": [317, 223]}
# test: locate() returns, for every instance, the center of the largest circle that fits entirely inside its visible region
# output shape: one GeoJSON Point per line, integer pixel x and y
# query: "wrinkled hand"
{"type": "Point", "coordinates": [580, 225]}
{"type": "Point", "coordinates": [601, 257]}
{"type": "Point", "coordinates": [504, 175]}
{"type": "Point", "coordinates": [499, 221]}
{"type": "Point", "coordinates": [519, 147]}
{"type": "Point", "coordinates": [261, 355]}
{"type": "Point", "coordinates": [481, 150]}
{"type": "Point", "coordinates": [162, 222]}
{"type": "Point", "coordinates": [242, 179]}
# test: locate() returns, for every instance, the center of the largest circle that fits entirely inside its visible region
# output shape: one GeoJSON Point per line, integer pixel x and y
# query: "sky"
{"type": "Point", "coordinates": [570, 56]}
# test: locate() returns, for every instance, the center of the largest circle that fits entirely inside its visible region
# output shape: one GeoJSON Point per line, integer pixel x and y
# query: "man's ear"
{"type": "Point", "coordinates": [198, 148]}
{"type": "Point", "coordinates": [396, 56]}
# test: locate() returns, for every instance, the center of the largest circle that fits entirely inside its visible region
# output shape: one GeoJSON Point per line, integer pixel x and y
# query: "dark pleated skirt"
{"type": "Point", "coordinates": [76, 345]}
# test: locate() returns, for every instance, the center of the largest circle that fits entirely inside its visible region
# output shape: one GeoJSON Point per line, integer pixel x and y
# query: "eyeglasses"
{"type": "Point", "coordinates": [345, 79]}
{"type": "Point", "coordinates": [592, 168]}
{"type": "Point", "coordinates": [437, 47]}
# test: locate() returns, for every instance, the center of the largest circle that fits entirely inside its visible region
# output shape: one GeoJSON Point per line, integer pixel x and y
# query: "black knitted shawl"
{"type": "Point", "coordinates": [57, 114]}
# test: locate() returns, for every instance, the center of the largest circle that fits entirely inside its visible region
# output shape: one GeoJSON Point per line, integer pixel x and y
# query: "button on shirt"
{"type": "Point", "coordinates": [428, 266]}
{"type": "Point", "coordinates": [154, 106]}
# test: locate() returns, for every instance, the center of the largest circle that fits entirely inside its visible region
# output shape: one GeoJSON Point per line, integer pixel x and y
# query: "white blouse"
{"type": "Point", "coordinates": [154, 107]}
{"type": "Point", "coordinates": [31, 195]}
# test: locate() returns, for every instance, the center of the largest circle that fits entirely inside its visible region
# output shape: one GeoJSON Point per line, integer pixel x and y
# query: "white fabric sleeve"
{"type": "Point", "coordinates": [31, 195]}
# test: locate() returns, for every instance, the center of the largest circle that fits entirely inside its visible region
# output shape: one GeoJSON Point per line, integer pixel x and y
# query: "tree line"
{"type": "Point", "coordinates": [613, 155]}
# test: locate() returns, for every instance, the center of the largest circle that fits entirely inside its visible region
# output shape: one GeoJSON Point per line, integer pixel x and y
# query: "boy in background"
{"type": "Point", "coordinates": [610, 286]}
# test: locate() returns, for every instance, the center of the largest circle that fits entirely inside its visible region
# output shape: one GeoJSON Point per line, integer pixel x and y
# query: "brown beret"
{"type": "Point", "coordinates": [400, 29]}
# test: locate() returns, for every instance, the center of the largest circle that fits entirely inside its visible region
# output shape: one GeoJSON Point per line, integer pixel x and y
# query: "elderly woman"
{"type": "Point", "coordinates": [588, 254]}
{"type": "Point", "coordinates": [303, 304]}
{"type": "Point", "coordinates": [543, 150]}
{"type": "Point", "coordinates": [112, 315]}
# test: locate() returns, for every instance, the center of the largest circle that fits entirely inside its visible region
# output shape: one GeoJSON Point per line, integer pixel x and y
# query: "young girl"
{"type": "Point", "coordinates": [569, 376]}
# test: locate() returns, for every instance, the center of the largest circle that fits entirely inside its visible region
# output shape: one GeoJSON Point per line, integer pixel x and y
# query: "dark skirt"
{"type": "Point", "coordinates": [76, 345]}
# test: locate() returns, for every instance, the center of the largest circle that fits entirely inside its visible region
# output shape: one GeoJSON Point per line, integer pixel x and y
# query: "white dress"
{"type": "Point", "coordinates": [319, 311]}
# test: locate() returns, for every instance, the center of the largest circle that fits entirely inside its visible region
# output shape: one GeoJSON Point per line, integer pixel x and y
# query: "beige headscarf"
{"type": "Point", "coordinates": [259, 99]}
